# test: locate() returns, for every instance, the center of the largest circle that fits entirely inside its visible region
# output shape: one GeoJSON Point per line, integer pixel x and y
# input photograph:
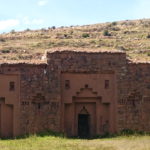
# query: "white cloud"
{"type": "Point", "coordinates": [9, 24]}
{"type": "Point", "coordinates": [26, 20]}
{"type": "Point", "coordinates": [42, 3]}
{"type": "Point", "coordinates": [35, 21]}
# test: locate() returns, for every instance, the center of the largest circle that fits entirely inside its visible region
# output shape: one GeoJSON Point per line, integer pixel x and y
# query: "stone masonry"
{"type": "Point", "coordinates": [40, 103]}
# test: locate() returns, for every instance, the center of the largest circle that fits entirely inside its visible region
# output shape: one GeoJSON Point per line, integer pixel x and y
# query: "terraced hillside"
{"type": "Point", "coordinates": [130, 36]}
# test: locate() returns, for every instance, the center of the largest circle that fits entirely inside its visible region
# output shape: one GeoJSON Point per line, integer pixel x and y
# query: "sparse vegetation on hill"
{"type": "Point", "coordinates": [131, 36]}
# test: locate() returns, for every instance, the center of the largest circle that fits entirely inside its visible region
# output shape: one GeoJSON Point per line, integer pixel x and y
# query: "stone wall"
{"type": "Point", "coordinates": [40, 94]}
{"type": "Point", "coordinates": [133, 107]}
{"type": "Point", "coordinates": [39, 97]}
{"type": "Point", "coordinates": [44, 81]}
{"type": "Point", "coordinates": [98, 63]}
{"type": "Point", "coordinates": [40, 103]}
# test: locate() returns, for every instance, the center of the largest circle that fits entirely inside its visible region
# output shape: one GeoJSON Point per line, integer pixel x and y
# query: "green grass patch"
{"type": "Point", "coordinates": [49, 140]}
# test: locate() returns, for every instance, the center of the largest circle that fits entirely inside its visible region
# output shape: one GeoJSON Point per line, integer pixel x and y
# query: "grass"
{"type": "Point", "coordinates": [34, 142]}
{"type": "Point", "coordinates": [126, 140]}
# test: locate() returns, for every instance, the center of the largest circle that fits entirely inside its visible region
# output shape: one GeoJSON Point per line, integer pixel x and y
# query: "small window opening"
{"type": "Point", "coordinates": [106, 84]}
{"type": "Point", "coordinates": [39, 106]}
{"type": "Point", "coordinates": [45, 66]}
{"type": "Point", "coordinates": [12, 86]}
{"type": "Point", "coordinates": [67, 84]}
{"type": "Point", "coordinates": [86, 86]}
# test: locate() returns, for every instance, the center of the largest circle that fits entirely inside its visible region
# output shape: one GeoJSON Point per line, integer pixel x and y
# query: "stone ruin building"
{"type": "Point", "coordinates": [79, 91]}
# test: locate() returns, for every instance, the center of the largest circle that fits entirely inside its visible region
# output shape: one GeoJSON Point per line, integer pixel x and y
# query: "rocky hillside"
{"type": "Point", "coordinates": [131, 36]}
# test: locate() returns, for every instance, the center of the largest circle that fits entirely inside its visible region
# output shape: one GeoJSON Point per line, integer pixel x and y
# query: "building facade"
{"type": "Point", "coordinates": [81, 92]}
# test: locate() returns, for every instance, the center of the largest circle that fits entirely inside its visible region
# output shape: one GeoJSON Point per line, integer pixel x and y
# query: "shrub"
{"type": "Point", "coordinates": [131, 23]}
{"type": "Point", "coordinates": [53, 27]}
{"type": "Point", "coordinates": [92, 42]}
{"type": "Point", "coordinates": [109, 25]}
{"type": "Point", "coordinates": [65, 35]}
{"type": "Point", "coordinates": [141, 21]}
{"type": "Point", "coordinates": [69, 37]}
{"type": "Point", "coordinates": [43, 29]}
{"type": "Point", "coordinates": [140, 36]}
{"type": "Point", "coordinates": [38, 44]}
{"type": "Point", "coordinates": [6, 51]}
{"type": "Point", "coordinates": [48, 132]}
{"type": "Point", "coordinates": [13, 58]}
{"type": "Point", "coordinates": [85, 35]}
{"type": "Point", "coordinates": [50, 43]}
{"type": "Point", "coordinates": [71, 32]}
{"type": "Point", "coordinates": [123, 23]}
{"type": "Point", "coordinates": [20, 56]}
{"type": "Point", "coordinates": [121, 48]}
{"type": "Point", "coordinates": [27, 29]}
{"type": "Point", "coordinates": [148, 36]}
{"type": "Point", "coordinates": [126, 32]}
{"type": "Point", "coordinates": [105, 33]}
{"type": "Point", "coordinates": [12, 31]}
{"type": "Point", "coordinates": [2, 40]}
{"type": "Point", "coordinates": [114, 23]}
{"type": "Point", "coordinates": [58, 34]}
{"type": "Point", "coordinates": [148, 54]}
{"type": "Point", "coordinates": [115, 28]}
{"type": "Point", "coordinates": [128, 132]}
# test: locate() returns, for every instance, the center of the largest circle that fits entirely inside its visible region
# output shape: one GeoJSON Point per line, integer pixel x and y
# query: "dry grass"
{"type": "Point", "coordinates": [56, 143]}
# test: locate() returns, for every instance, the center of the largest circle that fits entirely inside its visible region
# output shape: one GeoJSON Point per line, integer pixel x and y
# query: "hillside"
{"type": "Point", "coordinates": [131, 36]}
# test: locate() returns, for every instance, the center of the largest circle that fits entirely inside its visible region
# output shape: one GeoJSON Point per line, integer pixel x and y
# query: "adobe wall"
{"type": "Point", "coordinates": [40, 95]}
{"type": "Point", "coordinates": [87, 92]}
{"type": "Point", "coordinates": [9, 103]}
{"type": "Point", "coordinates": [91, 63]}
{"type": "Point", "coordinates": [38, 85]}
{"type": "Point", "coordinates": [132, 89]}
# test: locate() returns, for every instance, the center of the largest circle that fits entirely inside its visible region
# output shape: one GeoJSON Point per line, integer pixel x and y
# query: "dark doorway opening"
{"type": "Point", "coordinates": [83, 125]}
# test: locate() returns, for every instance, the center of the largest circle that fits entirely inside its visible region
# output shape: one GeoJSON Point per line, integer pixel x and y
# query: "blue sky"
{"type": "Point", "coordinates": [36, 14]}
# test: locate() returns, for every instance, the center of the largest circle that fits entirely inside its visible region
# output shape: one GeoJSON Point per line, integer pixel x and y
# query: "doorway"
{"type": "Point", "coordinates": [83, 125]}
